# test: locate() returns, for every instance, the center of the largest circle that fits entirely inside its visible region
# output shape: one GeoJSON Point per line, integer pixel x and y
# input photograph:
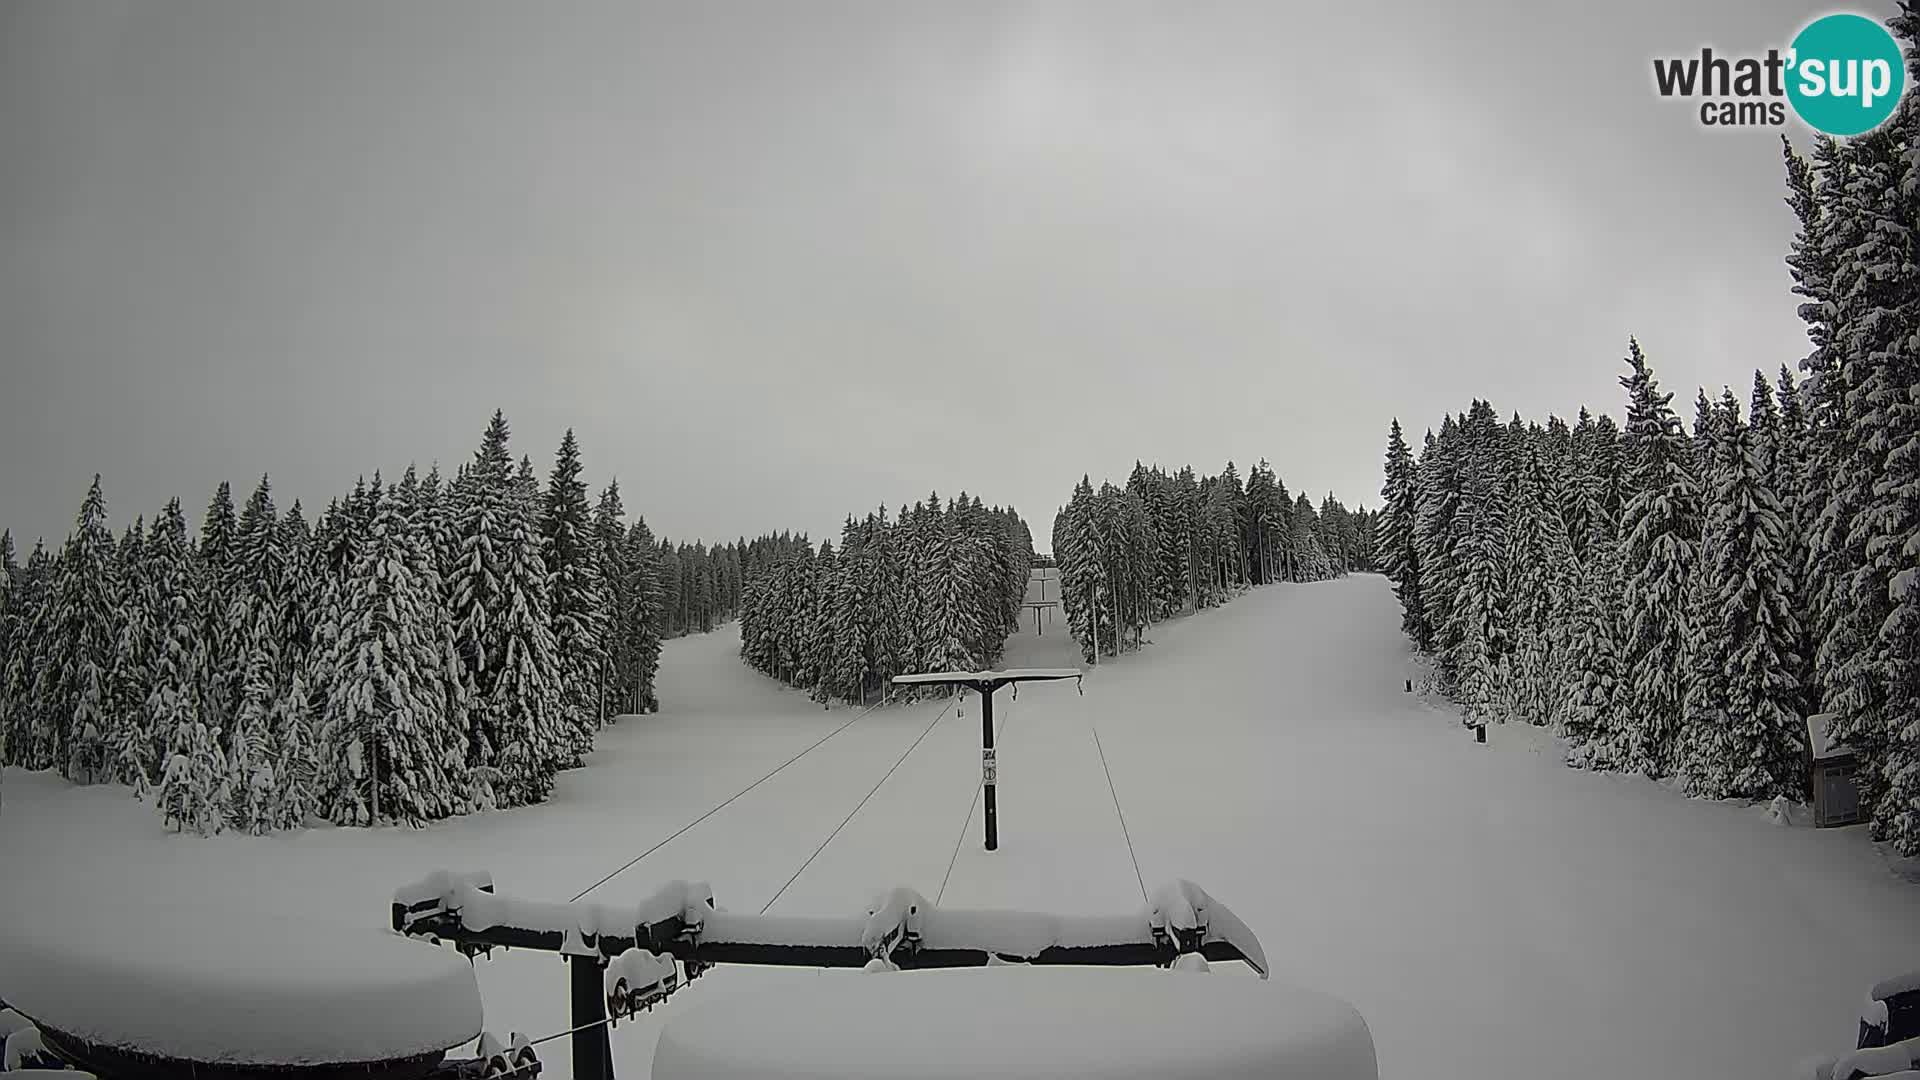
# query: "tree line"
{"type": "Point", "coordinates": [934, 589]}
{"type": "Point", "coordinates": [1678, 602]}
{"type": "Point", "coordinates": [1167, 543]}
{"type": "Point", "coordinates": [422, 649]}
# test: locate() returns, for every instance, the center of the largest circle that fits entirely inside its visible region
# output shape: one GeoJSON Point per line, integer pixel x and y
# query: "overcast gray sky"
{"type": "Point", "coordinates": [776, 262]}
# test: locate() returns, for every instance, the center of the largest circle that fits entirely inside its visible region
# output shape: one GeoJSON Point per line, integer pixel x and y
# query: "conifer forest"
{"type": "Point", "coordinates": [1171, 543]}
{"type": "Point", "coordinates": [421, 648]}
{"type": "Point", "coordinates": [1676, 599]}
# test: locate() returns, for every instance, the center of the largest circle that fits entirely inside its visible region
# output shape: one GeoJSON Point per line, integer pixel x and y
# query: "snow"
{"type": "Point", "coordinates": [1880, 1060]}
{"type": "Point", "coordinates": [822, 930]}
{"type": "Point", "coordinates": [1905, 983]}
{"type": "Point", "coordinates": [1265, 750]}
{"type": "Point", "coordinates": [22, 1044]}
{"type": "Point", "coordinates": [1015, 1023]}
{"type": "Point", "coordinates": [1818, 739]}
{"type": "Point", "coordinates": [1014, 675]}
{"type": "Point", "coordinates": [233, 984]}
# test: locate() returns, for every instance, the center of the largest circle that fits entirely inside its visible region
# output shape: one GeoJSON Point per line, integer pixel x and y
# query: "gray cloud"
{"type": "Point", "coordinates": [779, 262]}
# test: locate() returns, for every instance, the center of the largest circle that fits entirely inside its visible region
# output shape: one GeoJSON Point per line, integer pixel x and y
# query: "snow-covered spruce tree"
{"type": "Point", "coordinates": [1073, 546]}
{"type": "Point", "coordinates": [1831, 488]}
{"type": "Point", "coordinates": [1479, 549]}
{"type": "Point", "coordinates": [1398, 555]}
{"type": "Point", "coordinates": [283, 745]}
{"type": "Point", "coordinates": [1115, 547]}
{"type": "Point", "coordinates": [1146, 486]}
{"type": "Point", "coordinates": [1790, 482]}
{"type": "Point", "coordinates": [526, 697]}
{"type": "Point", "coordinates": [502, 621]}
{"type": "Point", "coordinates": [29, 621]}
{"type": "Point", "coordinates": [1438, 505]}
{"type": "Point", "coordinates": [1615, 482]}
{"type": "Point", "coordinates": [1763, 422]}
{"type": "Point", "coordinates": [1595, 723]}
{"type": "Point", "coordinates": [193, 789]}
{"type": "Point", "coordinates": [10, 601]}
{"type": "Point", "coordinates": [852, 659]}
{"type": "Point", "coordinates": [251, 784]}
{"type": "Point", "coordinates": [172, 605]}
{"type": "Point", "coordinates": [1661, 531]}
{"type": "Point", "coordinates": [1579, 490]}
{"type": "Point", "coordinates": [330, 557]}
{"type": "Point", "coordinates": [666, 600]}
{"type": "Point", "coordinates": [1704, 702]}
{"type": "Point", "coordinates": [1171, 528]}
{"type": "Point", "coordinates": [398, 758]}
{"type": "Point", "coordinates": [821, 643]}
{"type": "Point", "coordinates": [889, 616]}
{"type": "Point", "coordinates": [486, 512]}
{"type": "Point", "coordinates": [756, 640]}
{"type": "Point", "coordinates": [644, 613]}
{"type": "Point", "coordinates": [1539, 566]}
{"type": "Point", "coordinates": [1879, 280]}
{"type": "Point", "coordinates": [1756, 752]}
{"type": "Point", "coordinates": [1897, 816]}
{"type": "Point", "coordinates": [616, 652]}
{"type": "Point", "coordinates": [221, 655]}
{"type": "Point", "coordinates": [298, 589]}
{"type": "Point", "coordinates": [296, 757]}
{"type": "Point", "coordinates": [576, 603]}
{"type": "Point", "coordinates": [130, 743]}
{"type": "Point", "coordinates": [1314, 563]}
{"type": "Point", "coordinates": [1703, 433]}
{"type": "Point", "coordinates": [74, 688]}
{"type": "Point", "coordinates": [256, 623]}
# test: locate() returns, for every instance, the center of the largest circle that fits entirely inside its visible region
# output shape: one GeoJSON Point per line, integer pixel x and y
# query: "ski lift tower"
{"type": "Point", "coordinates": [985, 683]}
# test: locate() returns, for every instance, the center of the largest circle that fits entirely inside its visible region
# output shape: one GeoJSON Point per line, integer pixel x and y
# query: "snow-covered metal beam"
{"type": "Point", "coordinates": [900, 928]}
{"type": "Point", "coordinates": [969, 678]}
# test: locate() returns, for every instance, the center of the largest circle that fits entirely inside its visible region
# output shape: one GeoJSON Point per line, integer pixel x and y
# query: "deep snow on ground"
{"type": "Point", "coordinates": [1490, 912]}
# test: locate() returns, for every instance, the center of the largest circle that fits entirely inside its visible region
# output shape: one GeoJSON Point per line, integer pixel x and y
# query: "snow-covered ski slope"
{"type": "Point", "coordinates": [1490, 912]}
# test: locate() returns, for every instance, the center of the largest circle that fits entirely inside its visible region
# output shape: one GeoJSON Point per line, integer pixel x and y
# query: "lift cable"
{"type": "Point", "coordinates": [689, 825]}
{"type": "Point", "coordinates": [1119, 813]}
{"type": "Point", "coordinates": [863, 802]}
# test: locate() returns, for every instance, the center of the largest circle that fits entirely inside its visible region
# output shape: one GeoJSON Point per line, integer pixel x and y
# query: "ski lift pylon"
{"type": "Point", "coordinates": [985, 683]}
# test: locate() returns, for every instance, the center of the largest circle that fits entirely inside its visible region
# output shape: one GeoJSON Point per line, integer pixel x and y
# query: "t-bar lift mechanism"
{"type": "Point", "coordinates": [985, 683]}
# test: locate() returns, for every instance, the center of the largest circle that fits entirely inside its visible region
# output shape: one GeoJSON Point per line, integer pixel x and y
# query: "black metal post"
{"type": "Point", "coordinates": [592, 1049]}
{"type": "Point", "coordinates": [988, 766]}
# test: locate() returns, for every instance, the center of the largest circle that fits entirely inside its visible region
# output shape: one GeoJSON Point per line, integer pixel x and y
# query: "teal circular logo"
{"type": "Point", "coordinates": [1845, 74]}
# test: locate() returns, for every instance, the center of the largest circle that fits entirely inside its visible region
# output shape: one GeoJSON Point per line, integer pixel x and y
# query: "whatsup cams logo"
{"type": "Point", "coordinates": [1843, 75]}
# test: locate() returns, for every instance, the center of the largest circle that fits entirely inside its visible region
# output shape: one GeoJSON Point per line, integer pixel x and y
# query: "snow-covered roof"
{"type": "Point", "coordinates": [1010, 675]}
{"type": "Point", "coordinates": [1818, 739]}
{"type": "Point", "coordinates": [1019, 1023]}
{"type": "Point", "coordinates": [1896, 984]}
{"type": "Point", "coordinates": [227, 983]}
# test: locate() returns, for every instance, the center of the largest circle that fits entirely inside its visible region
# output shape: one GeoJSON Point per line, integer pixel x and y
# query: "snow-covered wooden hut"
{"type": "Point", "coordinates": [1836, 799]}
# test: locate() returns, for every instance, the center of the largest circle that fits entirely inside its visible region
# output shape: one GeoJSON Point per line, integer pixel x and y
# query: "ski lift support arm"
{"type": "Point", "coordinates": [610, 947]}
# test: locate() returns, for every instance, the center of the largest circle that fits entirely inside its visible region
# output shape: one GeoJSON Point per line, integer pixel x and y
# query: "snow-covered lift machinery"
{"type": "Point", "coordinates": [985, 683]}
{"type": "Point", "coordinates": [626, 958]}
